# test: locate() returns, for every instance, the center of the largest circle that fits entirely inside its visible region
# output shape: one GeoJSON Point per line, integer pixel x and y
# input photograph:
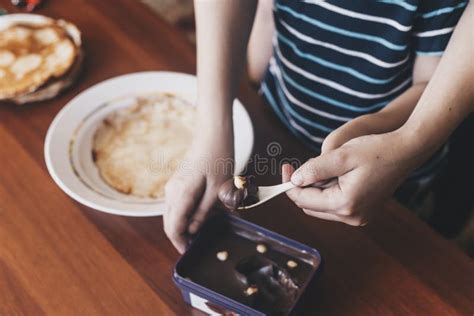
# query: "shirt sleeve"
{"type": "Point", "coordinates": [434, 23]}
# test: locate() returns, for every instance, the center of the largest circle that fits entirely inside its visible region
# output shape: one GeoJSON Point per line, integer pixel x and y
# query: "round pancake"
{"type": "Point", "coordinates": [138, 148]}
{"type": "Point", "coordinates": [54, 86]}
{"type": "Point", "coordinates": [30, 55]}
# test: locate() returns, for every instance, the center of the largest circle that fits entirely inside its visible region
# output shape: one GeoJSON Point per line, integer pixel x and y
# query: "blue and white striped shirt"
{"type": "Point", "coordinates": [336, 60]}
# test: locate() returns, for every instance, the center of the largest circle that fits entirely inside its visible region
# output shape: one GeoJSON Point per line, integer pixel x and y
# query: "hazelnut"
{"type": "Point", "coordinates": [291, 264]}
{"type": "Point", "coordinates": [240, 182]}
{"type": "Point", "coordinates": [261, 248]}
{"type": "Point", "coordinates": [251, 290]}
{"type": "Point", "coordinates": [222, 255]}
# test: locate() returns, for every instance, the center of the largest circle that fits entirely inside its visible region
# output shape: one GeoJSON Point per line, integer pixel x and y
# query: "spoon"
{"type": "Point", "coordinates": [266, 193]}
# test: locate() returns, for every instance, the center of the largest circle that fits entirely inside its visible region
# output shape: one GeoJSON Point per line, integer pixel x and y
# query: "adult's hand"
{"type": "Point", "coordinates": [368, 169]}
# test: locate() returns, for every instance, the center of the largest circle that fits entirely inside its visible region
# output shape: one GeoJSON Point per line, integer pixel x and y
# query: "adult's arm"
{"type": "Point", "coordinates": [370, 168]}
{"type": "Point", "coordinates": [392, 116]}
{"type": "Point", "coordinates": [449, 97]}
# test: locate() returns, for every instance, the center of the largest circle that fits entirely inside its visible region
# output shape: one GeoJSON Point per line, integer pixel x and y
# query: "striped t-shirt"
{"type": "Point", "coordinates": [336, 60]}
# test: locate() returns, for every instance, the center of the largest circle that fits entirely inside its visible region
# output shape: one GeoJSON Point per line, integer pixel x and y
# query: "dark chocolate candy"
{"type": "Point", "coordinates": [231, 196]}
{"type": "Point", "coordinates": [234, 197]}
{"type": "Point", "coordinates": [276, 288]}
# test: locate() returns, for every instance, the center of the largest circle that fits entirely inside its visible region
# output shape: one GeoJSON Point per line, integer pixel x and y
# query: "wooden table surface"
{"type": "Point", "coordinates": [58, 257]}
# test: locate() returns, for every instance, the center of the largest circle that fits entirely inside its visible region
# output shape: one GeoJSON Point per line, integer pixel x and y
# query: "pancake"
{"type": "Point", "coordinates": [138, 148]}
{"type": "Point", "coordinates": [30, 55]}
{"type": "Point", "coordinates": [53, 86]}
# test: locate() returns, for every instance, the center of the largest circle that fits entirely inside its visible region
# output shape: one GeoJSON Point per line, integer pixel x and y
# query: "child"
{"type": "Point", "coordinates": [334, 64]}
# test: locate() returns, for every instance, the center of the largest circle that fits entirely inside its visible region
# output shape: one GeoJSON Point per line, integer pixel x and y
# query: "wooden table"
{"type": "Point", "coordinates": [59, 257]}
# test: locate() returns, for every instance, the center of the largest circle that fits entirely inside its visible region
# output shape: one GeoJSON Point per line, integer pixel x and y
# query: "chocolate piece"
{"type": "Point", "coordinates": [230, 196]}
{"type": "Point", "coordinates": [276, 288]}
{"type": "Point", "coordinates": [238, 192]}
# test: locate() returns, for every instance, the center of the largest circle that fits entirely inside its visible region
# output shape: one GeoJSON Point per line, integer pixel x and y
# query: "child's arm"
{"type": "Point", "coordinates": [223, 29]}
{"type": "Point", "coordinates": [260, 48]}
{"type": "Point", "coordinates": [394, 115]}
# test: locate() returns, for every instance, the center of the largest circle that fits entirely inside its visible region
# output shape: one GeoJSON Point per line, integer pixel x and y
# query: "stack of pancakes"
{"type": "Point", "coordinates": [37, 60]}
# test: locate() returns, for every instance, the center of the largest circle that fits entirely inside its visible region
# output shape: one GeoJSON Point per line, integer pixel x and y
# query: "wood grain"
{"type": "Point", "coordinates": [58, 257]}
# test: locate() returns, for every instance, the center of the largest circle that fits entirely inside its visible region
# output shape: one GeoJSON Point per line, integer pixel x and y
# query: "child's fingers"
{"type": "Point", "coordinates": [286, 172]}
{"type": "Point", "coordinates": [328, 200]}
{"type": "Point", "coordinates": [201, 213]}
{"type": "Point", "coordinates": [363, 125]}
{"type": "Point", "coordinates": [333, 141]}
{"type": "Point", "coordinates": [180, 204]}
{"type": "Point", "coordinates": [349, 220]}
{"type": "Point", "coordinates": [330, 165]}
{"type": "Point", "coordinates": [322, 215]}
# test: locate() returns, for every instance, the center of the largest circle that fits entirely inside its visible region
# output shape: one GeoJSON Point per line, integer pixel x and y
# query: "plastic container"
{"type": "Point", "coordinates": [211, 285]}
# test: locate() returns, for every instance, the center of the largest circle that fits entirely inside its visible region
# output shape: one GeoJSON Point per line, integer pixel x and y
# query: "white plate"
{"type": "Point", "coordinates": [68, 144]}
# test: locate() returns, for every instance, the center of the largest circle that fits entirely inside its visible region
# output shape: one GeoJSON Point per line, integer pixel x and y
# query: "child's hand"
{"type": "Point", "coordinates": [192, 191]}
{"type": "Point", "coordinates": [368, 169]}
{"type": "Point", "coordinates": [309, 199]}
